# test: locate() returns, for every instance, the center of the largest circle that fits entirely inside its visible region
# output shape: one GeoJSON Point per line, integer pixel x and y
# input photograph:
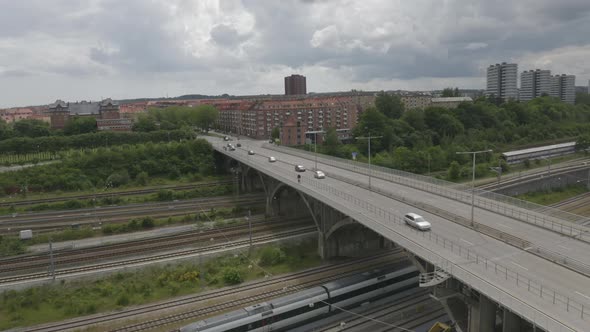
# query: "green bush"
{"type": "Point", "coordinates": [270, 256]}
{"type": "Point", "coordinates": [232, 276]}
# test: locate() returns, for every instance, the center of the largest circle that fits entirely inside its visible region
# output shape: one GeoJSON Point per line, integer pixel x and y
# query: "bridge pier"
{"type": "Point", "coordinates": [511, 321]}
{"type": "Point", "coordinates": [482, 315]}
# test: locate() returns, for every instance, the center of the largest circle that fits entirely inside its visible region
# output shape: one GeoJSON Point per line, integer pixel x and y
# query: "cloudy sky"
{"type": "Point", "coordinates": [92, 49]}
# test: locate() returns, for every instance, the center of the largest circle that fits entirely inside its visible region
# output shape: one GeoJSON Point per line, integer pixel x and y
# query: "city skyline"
{"type": "Point", "coordinates": [89, 50]}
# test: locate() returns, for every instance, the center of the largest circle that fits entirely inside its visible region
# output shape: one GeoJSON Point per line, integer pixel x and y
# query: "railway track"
{"type": "Point", "coordinates": [142, 260]}
{"type": "Point", "coordinates": [296, 282]}
{"type": "Point", "coordinates": [118, 193]}
{"type": "Point", "coordinates": [413, 309]}
{"type": "Point", "coordinates": [144, 246]}
{"type": "Point", "coordinates": [48, 221]}
{"type": "Point", "coordinates": [576, 166]}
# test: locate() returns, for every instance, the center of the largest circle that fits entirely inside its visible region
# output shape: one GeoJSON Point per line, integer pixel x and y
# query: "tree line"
{"type": "Point", "coordinates": [114, 167]}
{"type": "Point", "coordinates": [426, 140]}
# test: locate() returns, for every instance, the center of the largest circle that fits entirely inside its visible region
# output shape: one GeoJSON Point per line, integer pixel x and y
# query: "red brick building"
{"type": "Point", "coordinates": [106, 112]}
{"type": "Point", "coordinates": [293, 131]}
{"type": "Point", "coordinates": [295, 85]}
{"type": "Point", "coordinates": [257, 118]}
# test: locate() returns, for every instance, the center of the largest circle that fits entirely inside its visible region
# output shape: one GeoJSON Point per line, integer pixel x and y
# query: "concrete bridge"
{"type": "Point", "coordinates": [510, 268]}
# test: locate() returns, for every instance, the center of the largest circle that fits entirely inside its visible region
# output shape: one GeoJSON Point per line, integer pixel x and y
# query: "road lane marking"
{"type": "Point", "coordinates": [502, 225]}
{"type": "Point", "coordinates": [522, 267]}
{"type": "Point", "coordinates": [584, 295]}
{"type": "Point", "coordinates": [564, 247]}
{"type": "Point", "coordinates": [469, 243]}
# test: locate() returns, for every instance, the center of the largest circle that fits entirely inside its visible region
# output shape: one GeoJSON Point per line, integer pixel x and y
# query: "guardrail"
{"type": "Point", "coordinates": [532, 286]}
{"type": "Point", "coordinates": [474, 271]}
{"type": "Point", "coordinates": [512, 207]}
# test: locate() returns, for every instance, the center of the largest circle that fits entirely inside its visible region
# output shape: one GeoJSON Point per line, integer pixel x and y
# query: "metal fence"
{"type": "Point", "coordinates": [553, 219]}
{"type": "Point", "coordinates": [473, 271]}
{"type": "Point", "coordinates": [550, 295]}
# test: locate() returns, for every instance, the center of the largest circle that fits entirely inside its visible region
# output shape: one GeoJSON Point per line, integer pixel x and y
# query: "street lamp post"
{"type": "Point", "coordinates": [473, 179]}
{"type": "Point", "coordinates": [369, 150]}
{"type": "Point", "coordinates": [249, 227]}
{"type": "Point", "coordinates": [315, 149]}
{"type": "Point", "coordinates": [548, 165]}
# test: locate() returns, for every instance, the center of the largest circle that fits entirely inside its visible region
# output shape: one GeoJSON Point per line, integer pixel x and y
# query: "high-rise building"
{"type": "Point", "coordinates": [502, 81]}
{"type": "Point", "coordinates": [295, 85]}
{"type": "Point", "coordinates": [534, 83]}
{"type": "Point", "coordinates": [564, 87]}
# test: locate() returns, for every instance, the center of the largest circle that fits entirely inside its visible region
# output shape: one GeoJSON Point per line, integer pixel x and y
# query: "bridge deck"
{"type": "Point", "coordinates": [552, 296]}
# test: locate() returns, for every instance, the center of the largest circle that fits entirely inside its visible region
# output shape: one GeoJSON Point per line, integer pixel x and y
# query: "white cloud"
{"type": "Point", "coordinates": [136, 48]}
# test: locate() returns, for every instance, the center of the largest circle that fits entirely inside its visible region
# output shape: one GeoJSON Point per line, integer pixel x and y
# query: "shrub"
{"type": "Point", "coordinates": [232, 276]}
{"type": "Point", "coordinates": [272, 256]}
{"type": "Point", "coordinates": [123, 300]}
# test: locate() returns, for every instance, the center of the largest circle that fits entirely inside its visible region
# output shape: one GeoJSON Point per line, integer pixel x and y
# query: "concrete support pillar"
{"type": "Point", "coordinates": [322, 245]}
{"type": "Point", "coordinates": [482, 315]}
{"type": "Point", "coordinates": [511, 321]}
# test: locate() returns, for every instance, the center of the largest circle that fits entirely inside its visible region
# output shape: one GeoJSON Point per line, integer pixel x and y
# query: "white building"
{"type": "Point", "coordinates": [534, 83]}
{"type": "Point", "coordinates": [564, 87]}
{"type": "Point", "coordinates": [502, 81]}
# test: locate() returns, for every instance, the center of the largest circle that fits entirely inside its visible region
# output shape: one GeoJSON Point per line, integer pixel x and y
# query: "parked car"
{"type": "Point", "coordinates": [319, 175]}
{"type": "Point", "coordinates": [272, 159]}
{"type": "Point", "coordinates": [239, 145]}
{"type": "Point", "coordinates": [416, 221]}
{"type": "Point", "coordinates": [250, 152]}
{"type": "Point", "coordinates": [226, 138]}
{"type": "Point", "coordinates": [299, 168]}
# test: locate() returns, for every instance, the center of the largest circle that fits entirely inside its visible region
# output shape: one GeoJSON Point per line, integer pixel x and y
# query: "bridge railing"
{"type": "Point", "coordinates": [386, 218]}
{"type": "Point", "coordinates": [549, 218]}
{"type": "Point", "coordinates": [475, 270]}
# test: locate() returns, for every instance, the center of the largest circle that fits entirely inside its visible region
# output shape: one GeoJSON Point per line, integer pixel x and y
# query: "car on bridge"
{"type": "Point", "coordinates": [319, 175]}
{"type": "Point", "coordinates": [239, 145]}
{"type": "Point", "coordinates": [272, 159]}
{"type": "Point", "coordinates": [417, 221]}
{"type": "Point", "coordinates": [299, 168]}
{"type": "Point", "coordinates": [250, 152]}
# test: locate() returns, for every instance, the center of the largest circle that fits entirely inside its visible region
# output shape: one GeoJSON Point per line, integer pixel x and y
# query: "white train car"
{"type": "Point", "coordinates": [549, 151]}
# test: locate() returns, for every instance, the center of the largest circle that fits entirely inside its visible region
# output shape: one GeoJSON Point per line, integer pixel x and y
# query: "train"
{"type": "Point", "coordinates": [296, 309]}
{"type": "Point", "coordinates": [548, 151]}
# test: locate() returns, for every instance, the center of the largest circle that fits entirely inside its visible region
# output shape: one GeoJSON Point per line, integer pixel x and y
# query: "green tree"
{"type": "Point", "coordinates": [390, 105]}
{"type": "Point", "coordinates": [145, 123]}
{"type": "Point", "coordinates": [31, 128]}
{"type": "Point", "coordinates": [232, 276]}
{"type": "Point", "coordinates": [80, 125]}
{"type": "Point", "coordinates": [454, 171]}
{"type": "Point", "coordinates": [275, 134]}
{"type": "Point", "coordinates": [206, 116]}
{"type": "Point", "coordinates": [332, 142]}
{"type": "Point", "coordinates": [583, 142]}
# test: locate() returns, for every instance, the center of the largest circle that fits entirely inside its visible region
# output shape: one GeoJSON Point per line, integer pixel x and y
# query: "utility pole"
{"type": "Point", "coordinates": [249, 228]}
{"type": "Point", "coordinates": [473, 179]}
{"type": "Point", "coordinates": [369, 137]}
{"type": "Point", "coordinates": [52, 262]}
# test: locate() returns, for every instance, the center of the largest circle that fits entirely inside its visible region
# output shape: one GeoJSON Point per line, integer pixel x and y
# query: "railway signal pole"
{"type": "Point", "coordinates": [473, 180]}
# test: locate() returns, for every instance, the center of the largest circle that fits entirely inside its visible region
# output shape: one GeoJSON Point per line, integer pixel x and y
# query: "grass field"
{"type": "Point", "coordinates": [71, 299]}
{"type": "Point", "coordinates": [553, 196]}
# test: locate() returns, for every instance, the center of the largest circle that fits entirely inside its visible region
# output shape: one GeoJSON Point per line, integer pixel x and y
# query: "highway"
{"type": "Point", "coordinates": [519, 268]}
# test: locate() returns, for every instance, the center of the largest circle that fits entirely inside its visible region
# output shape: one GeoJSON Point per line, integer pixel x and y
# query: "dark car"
{"type": "Point", "coordinates": [239, 145]}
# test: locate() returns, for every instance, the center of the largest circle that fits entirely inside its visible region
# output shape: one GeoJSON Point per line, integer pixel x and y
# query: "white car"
{"type": "Point", "coordinates": [251, 152]}
{"type": "Point", "coordinates": [299, 168]}
{"type": "Point", "coordinates": [417, 221]}
{"type": "Point", "coordinates": [272, 159]}
{"type": "Point", "coordinates": [319, 175]}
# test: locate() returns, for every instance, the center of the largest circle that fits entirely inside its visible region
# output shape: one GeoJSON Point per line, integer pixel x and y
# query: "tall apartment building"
{"type": "Point", "coordinates": [295, 85]}
{"type": "Point", "coordinates": [534, 83]}
{"type": "Point", "coordinates": [502, 81]}
{"type": "Point", "coordinates": [564, 87]}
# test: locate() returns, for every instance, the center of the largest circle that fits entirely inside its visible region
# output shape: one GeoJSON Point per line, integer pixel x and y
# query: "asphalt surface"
{"type": "Point", "coordinates": [572, 288]}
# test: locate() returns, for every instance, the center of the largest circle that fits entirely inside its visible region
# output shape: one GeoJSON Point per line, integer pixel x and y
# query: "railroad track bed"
{"type": "Point", "coordinates": [45, 222]}
{"type": "Point", "coordinates": [171, 314]}
{"type": "Point", "coordinates": [113, 194]}
{"type": "Point", "coordinates": [409, 310]}
{"type": "Point", "coordinates": [579, 204]}
{"type": "Point", "coordinates": [145, 249]}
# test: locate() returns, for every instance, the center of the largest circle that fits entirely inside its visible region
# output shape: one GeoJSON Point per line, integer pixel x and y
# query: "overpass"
{"type": "Point", "coordinates": [531, 265]}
